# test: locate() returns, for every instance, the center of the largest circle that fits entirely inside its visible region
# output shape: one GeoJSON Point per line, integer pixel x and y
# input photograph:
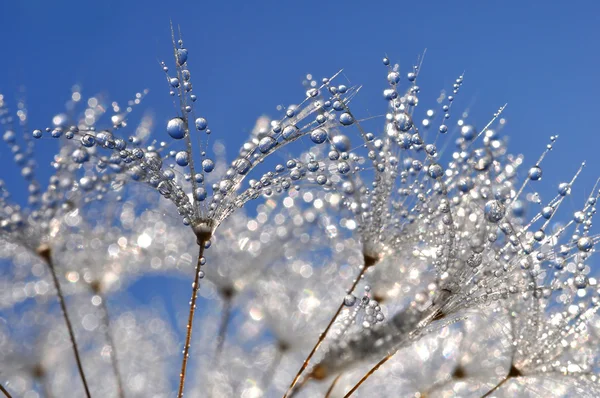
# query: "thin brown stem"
{"type": "Point", "coordinates": [113, 348]}
{"type": "Point", "coordinates": [496, 387]}
{"type": "Point", "coordinates": [45, 253]}
{"type": "Point", "coordinates": [368, 374]}
{"type": "Point", "coordinates": [190, 322]}
{"type": "Point", "coordinates": [512, 373]}
{"type": "Point", "coordinates": [225, 318]}
{"type": "Point", "coordinates": [5, 392]}
{"type": "Point", "coordinates": [332, 386]}
{"type": "Point", "coordinates": [368, 262]}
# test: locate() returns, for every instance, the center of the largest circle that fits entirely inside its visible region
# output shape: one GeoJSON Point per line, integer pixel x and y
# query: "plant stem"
{"type": "Point", "coordinates": [496, 387]}
{"type": "Point", "coordinates": [45, 253]}
{"type": "Point", "coordinates": [368, 262]}
{"type": "Point", "coordinates": [190, 323]}
{"type": "Point", "coordinates": [5, 392]}
{"type": "Point", "coordinates": [225, 318]}
{"type": "Point", "coordinates": [369, 373]}
{"type": "Point", "coordinates": [512, 373]}
{"type": "Point", "coordinates": [113, 350]}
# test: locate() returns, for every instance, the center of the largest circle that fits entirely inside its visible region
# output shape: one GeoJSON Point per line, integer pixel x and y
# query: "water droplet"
{"type": "Point", "coordinates": [341, 143]}
{"type": "Point", "coordinates": [289, 132]}
{"type": "Point", "coordinates": [468, 132]}
{"type": "Point", "coordinates": [201, 123]}
{"type": "Point", "coordinates": [580, 281]}
{"type": "Point", "coordinates": [343, 167]}
{"type": "Point", "coordinates": [176, 128]}
{"type": "Point", "coordinates": [318, 136]}
{"type": "Point", "coordinates": [535, 173]}
{"type": "Point", "coordinates": [482, 159]}
{"type": "Point", "coordinates": [182, 158]}
{"type": "Point", "coordinates": [243, 166]}
{"type": "Point", "coordinates": [200, 194]}
{"type": "Point", "coordinates": [403, 121]}
{"type": "Point", "coordinates": [435, 170]}
{"type": "Point", "coordinates": [349, 300]}
{"type": "Point", "coordinates": [182, 55]}
{"type": "Point", "coordinates": [547, 212]}
{"type": "Point", "coordinates": [494, 211]}
{"type": "Point", "coordinates": [80, 156]}
{"type": "Point", "coordinates": [564, 189]}
{"type": "Point", "coordinates": [393, 78]}
{"type": "Point", "coordinates": [208, 165]}
{"type": "Point", "coordinates": [585, 244]}
{"type": "Point", "coordinates": [346, 119]}
{"type": "Point", "coordinates": [266, 144]}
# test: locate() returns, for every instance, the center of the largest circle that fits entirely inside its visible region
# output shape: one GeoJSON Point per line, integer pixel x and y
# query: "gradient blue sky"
{"type": "Point", "coordinates": [247, 57]}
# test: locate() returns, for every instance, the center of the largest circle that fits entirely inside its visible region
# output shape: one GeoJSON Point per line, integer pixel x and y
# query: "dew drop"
{"type": "Point", "coordinates": [201, 123]}
{"type": "Point", "coordinates": [182, 158]}
{"type": "Point", "coordinates": [535, 173]}
{"type": "Point", "coordinates": [346, 119]}
{"type": "Point", "coordinates": [182, 55]}
{"type": "Point", "coordinates": [176, 128]}
{"type": "Point", "coordinates": [266, 144]}
{"type": "Point", "coordinates": [494, 211]}
{"type": "Point", "coordinates": [208, 165]}
{"type": "Point", "coordinates": [318, 136]}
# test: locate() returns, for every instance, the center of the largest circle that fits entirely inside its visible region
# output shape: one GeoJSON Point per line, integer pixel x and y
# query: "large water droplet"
{"type": "Point", "coordinates": [182, 158]}
{"type": "Point", "coordinates": [318, 136]}
{"type": "Point", "coordinates": [201, 123]}
{"type": "Point", "coordinates": [176, 128]}
{"type": "Point", "coordinates": [266, 144]}
{"type": "Point", "coordinates": [346, 119]}
{"type": "Point", "coordinates": [182, 55]}
{"type": "Point", "coordinates": [208, 165]}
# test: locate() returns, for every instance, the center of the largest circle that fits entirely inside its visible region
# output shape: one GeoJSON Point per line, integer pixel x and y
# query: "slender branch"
{"type": "Point", "coordinates": [369, 261]}
{"type": "Point", "coordinates": [111, 342]}
{"type": "Point", "coordinates": [225, 318]}
{"type": "Point", "coordinates": [512, 373]}
{"type": "Point", "coordinates": [45, 253]}
{"type": "Point", "coordinates": [5, 392]}
{"type": "Point", "coordinates": [368, 374]}
{"type": "Point", "coordinates": [332, 386]}
{"type": "Point", "coordinates": [190, 322]}
{"type": "Point", "coordinates": [496, 387]}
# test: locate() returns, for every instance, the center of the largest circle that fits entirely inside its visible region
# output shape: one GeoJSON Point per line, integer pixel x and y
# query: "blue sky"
{"type": "Point", "coordinates": [248, 57]}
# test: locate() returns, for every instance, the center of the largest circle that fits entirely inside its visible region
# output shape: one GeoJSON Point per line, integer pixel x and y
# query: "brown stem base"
{"type": "Point", "coordinates": [368, 262]}
{"type": "Point", "coordinates": [45, 253]}
{"type": "Point", "coordinates": [190, 322]}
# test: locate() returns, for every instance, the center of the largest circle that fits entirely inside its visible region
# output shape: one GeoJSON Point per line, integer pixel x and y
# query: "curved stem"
{"type": "Point", "coordinates": [45, 254]}
{"type": "Point", "coordinates": [367, 375]}
{"type": "Point", "coordinates": [225, 318]}
{"type": "Point", "coordinates": [496, 387]}
{"type": "Point", "coordinates": [5, 392]}
{"type": "Point", "coordinates": [113, 352]}
{"type": "Point", "coordinates": [190, 322]}
{"type": "Point", "coordinates": [290, 391]}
